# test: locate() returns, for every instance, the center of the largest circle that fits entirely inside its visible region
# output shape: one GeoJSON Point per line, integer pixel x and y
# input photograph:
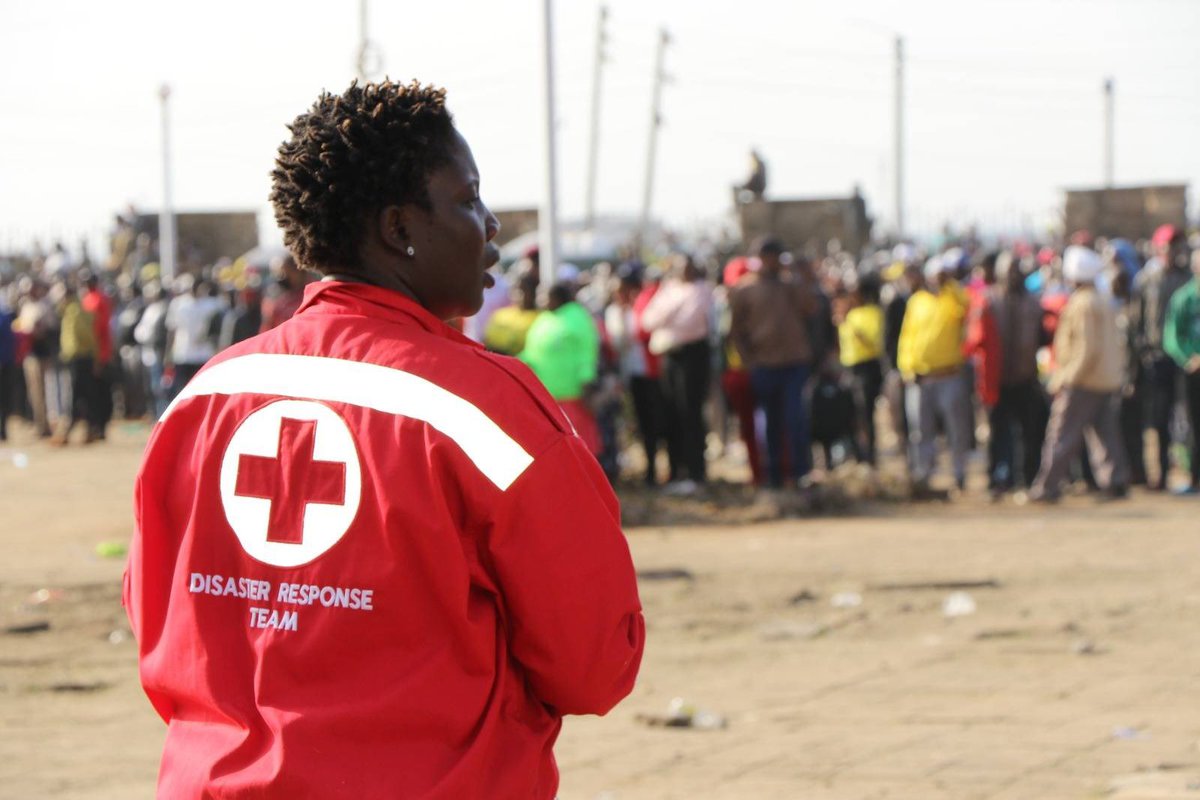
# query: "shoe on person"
{"type": "Point", "coordinates": [684, 488]}
{"type": "Point", "coordinates": [1042, 498]}
{"type": "Point", "coordinates": [1114, 493]}
{"type": "Point", "coordinates": [1188, 490]}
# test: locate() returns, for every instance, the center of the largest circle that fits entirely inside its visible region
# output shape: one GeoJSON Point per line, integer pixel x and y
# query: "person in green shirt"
{"type": "Point", "coordinates": [1181, 341]}
{"type": "Point", "coordinates": [562, 348]}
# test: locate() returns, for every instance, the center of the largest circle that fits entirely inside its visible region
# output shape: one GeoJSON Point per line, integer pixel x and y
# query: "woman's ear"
{"type": "Point", "coordinates": [392, 229]}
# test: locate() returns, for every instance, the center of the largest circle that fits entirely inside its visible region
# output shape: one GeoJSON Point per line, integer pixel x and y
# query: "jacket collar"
{"type": "Point", "coordinates": [364, 299]}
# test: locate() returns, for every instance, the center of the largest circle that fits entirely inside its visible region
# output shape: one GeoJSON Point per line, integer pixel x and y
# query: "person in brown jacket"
{"type": "Point", "coordinates": [1086, 385]}
{"type": "Point", "coordinates": [769, 328]}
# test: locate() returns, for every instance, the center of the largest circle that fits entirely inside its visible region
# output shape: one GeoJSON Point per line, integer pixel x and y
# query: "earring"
{"type": "Point", "coordinates": [411, 252]}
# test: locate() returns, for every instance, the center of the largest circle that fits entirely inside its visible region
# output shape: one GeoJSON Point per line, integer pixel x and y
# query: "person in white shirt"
{"type": "Point", "coordinates": [190, 341]}
{"type": "Point", "coordinates": [679, 319]}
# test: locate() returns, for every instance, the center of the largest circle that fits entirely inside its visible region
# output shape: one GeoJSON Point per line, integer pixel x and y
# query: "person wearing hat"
{"type": "Point", "coordinates": [1153, 289]}
{"type": "Point", "coordinates": [1090, 371]}
{"type": "Point", "coordinates": [1181, 340]}
{"type": "Point", "coordinates": [930, 357]}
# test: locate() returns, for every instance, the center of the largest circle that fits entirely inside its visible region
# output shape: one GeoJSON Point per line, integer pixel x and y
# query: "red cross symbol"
{"type": "Point", "coordinates": [291, 480]}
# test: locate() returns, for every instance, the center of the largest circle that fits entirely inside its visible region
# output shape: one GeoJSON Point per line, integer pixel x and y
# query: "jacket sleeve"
{"type": "Point", "coordinates": [567, 582]}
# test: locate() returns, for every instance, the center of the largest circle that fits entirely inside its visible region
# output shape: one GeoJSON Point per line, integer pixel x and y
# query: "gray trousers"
{"type": "Point", "coordinates": [1076, 416]}
{"type": "Point", "coordinates": [924, 402]}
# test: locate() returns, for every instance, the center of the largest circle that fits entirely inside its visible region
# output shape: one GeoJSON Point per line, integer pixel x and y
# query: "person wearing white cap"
{"type": "Point", "coordinates": [930, 357]}
{"type": "Point", "coordinates": [1086, 382]}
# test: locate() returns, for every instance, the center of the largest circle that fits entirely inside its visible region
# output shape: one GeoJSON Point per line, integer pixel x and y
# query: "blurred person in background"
{"type": "Point", "coordinates": [37, 320]}
{"type": "Point", "coordinates": [285, 293]}
{"type": "Point", "coordinates": [97, 303]}
{"type": "Point", "coordinates": [1011, 332]}
{"type": "Point", "coordinates": [133, 382]}
{"type": "Point", "coordinates": [509, 325]}
{"type": "Point", "coordinates": [678, 320]}
{"type": "Point", "coordinates": [860, 346]}
{"type": "Point", "coordinates": [735, 378]}
{"type": "Point", "coordinates": [771, 323]}
{"type": "Point", "coordinates": [78, 353]}
{"type": "Point", "coordinates": [1181, 341]}
{"type": "Point", "coordinates": [244, 316]}
{"type": "Point", "coordinates": [1158, 281]}
{"type": "Point", "coordinates": [633, 358]}
{"type": "Point", "coordinates": [904, 278]}
{"type": "Point", "coordinates": [1132, 403]}
{"type": "Point", "coordinates": [8, 360]}
{"type": "Point", "coordinates": [152, 337]}
{"type": "Point", "coordinates": [1089, 374]}
{"type": "Point", "coordinates": [189, 330]}
{"type": "Point", "coordinates": [562, 348]}
{"type": "Point", "coordinates": [930, 356]}
{"type": "Point", "coordinates": [495, 297]}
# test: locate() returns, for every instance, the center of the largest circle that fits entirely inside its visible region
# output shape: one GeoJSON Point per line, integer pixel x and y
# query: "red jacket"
{"type": "Point", "coordinates": [96, 303]}
{"type": "Point", "coordinates": [982, 343]}
{"type": "Point", "coordinates": [371, 560]}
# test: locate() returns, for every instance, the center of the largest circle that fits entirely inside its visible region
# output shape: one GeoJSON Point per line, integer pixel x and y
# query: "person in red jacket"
{"type": "Point", "coordinates": [372, 559]}
{"type": "Point", "coordinates": [98, 304]}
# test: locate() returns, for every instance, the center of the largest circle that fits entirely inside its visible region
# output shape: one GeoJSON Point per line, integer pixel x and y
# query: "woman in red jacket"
{"type": "Point", "coordinates": [373, 559]}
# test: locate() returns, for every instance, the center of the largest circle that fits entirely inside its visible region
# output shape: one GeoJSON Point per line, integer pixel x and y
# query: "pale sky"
{"type": "Point", "coordinates": [1004, 103]}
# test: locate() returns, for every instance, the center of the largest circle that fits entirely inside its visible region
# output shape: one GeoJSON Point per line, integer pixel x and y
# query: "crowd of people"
{"type": "Point", "coordinates": [80, 345]}
{"type": "Point", "coordinates": [1025, 352]}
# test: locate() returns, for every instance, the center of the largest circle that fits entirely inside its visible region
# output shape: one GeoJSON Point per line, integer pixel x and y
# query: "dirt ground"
{"type": "Point", "coordinates": [822, 643]}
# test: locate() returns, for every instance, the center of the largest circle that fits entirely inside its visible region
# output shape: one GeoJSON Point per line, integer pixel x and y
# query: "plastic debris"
{"type": "Point", "coordinates": [118, 636]}
{"type": "Point", "coordinates": [958, 604]}
{"type": "Point", "coordinates": [846, 600]}
{"type": "Point", "coordinates": [1129, 733]}
{"type": "Point", "coordinates": [20, 460]}
{"type": "Point", "coordinates": [43, 596]}
{"type": "Point", "coordinates": [112, 549]}
{"type": "Point", "coordinates": [781, 631]}
{"type": "Point", "coordinates": [681, 714]}
{"type": "Point", "coordinates": [1084, 647]}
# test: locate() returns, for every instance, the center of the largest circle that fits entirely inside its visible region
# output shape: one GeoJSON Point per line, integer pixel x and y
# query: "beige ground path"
{"type": "Point", "coordinates": [1078, 675]}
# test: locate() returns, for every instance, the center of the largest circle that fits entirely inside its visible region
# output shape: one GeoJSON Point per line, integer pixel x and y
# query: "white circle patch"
{"type": "Point", "coordinates": [291, 482]}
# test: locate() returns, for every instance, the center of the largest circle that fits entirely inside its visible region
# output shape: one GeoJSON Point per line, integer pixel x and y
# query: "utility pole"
{"type": "Point", "coordinates": [166, 214]}
{"type": "Point", "coordinates": [593, 150]}
{"type": "Point", "coordinates": [548, 213]}
{"type": "Point", "coordinates": [1109, 86]}
{"type": "Point", "coordinates": [369, 61]}
{"type": "Point", "coordinates": [899, 135]}
{"type": "Point", "coordinates": [655, 122]}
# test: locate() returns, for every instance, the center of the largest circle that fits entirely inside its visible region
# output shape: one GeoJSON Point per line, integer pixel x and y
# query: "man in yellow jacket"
{"type": "Point", "coordinates": [930, 358]}
{"type": "Point", "coordinates": [1086, 384]}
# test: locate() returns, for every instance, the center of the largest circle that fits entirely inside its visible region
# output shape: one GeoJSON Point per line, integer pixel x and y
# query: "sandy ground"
{"type": "Point", "coordinates": [1076, 676]}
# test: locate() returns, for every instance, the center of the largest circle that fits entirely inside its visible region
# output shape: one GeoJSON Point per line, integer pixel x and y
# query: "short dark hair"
{"type": "Point", "coordinates": [348, 157]}
{"type": "Point", "coordinates": [769, 245]}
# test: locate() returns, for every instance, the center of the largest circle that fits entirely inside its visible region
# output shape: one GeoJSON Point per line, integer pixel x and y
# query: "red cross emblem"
{"type": "Point", "coordinates": [291, 480]}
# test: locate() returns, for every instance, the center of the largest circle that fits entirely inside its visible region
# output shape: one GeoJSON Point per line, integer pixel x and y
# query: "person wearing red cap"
{"type": "Point", "coordinates": [1153, 289]}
